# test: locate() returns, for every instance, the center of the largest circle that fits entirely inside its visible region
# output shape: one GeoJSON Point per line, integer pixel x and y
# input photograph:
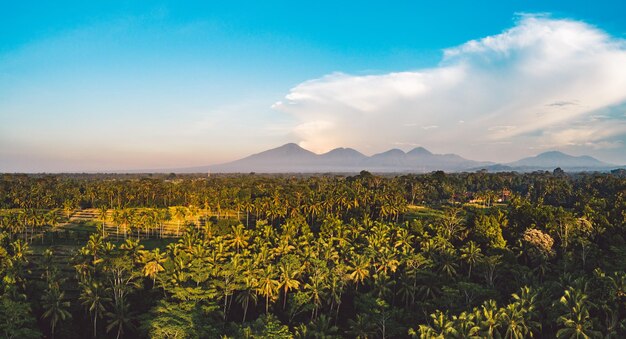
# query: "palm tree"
{"type": "Point", "coordinates": [54, 306]}
{"type": "Point", "coordinates": [116, 217]}
{"type": "Point", "coordinates": [314, 288]}
{"type": "Point", "coordinates": [152, 261]}
{"type": "Point", "coordinates": [179, 214]}
{"type": "Point", "coordinates": [119, 318]}
{"type": "Point", "coordinates": [126, 218]}
{"type": "Point", "coordinates": [239, 237]}
{"type": "Point", "coordinates": [471, 254]}
{"type": "Point", "coordinates": [93, 299]}
{"type": "Point", "coordinates": [247, 294]}
{"type": "Point", "coordinates": [268, 285]}
{"type": "Point", "coordinates": [359, 269]}
{"type": "Point", "coordinates": [322, 327]}
{"type": "Point", "coordinates": [446, 260]}
{"type": "Point", "coordinates": [487, 315]}
{"type": "Point", "coordinates": [102, 215]}
{"type": "Point", "coordinates": [442, 327]}
{"type": "Point", "coordinates": [288, 278]}
{"type": "Point", "coordinates": [51, 218]}
{"type": "Point", "coordinates": [491, 263]}
{"type": "Point", "coordinates": [465, 325]}
{"type": "Point", "coordinates": [361, 327]}
{"type": "Point", "coordinates": [513, 321]}
{"type": "Point", "coordinates": [247, 206]}
{"type": "Point", "coordinates": [68, 208]}
{"type": "Point", "coordinates": [576, 321]}
{"type": "Point", "coordinates": [527, 298]}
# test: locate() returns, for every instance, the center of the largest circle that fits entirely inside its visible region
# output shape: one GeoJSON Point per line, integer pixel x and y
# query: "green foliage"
{"type": "Point", "coordinates": [488, 230]}
{"type": "Point", "coordinates": [180, 320]}
{"type": "Point", "coordinates": [17, 320]}
{"type": "Point", "coordinates": [466, 255]}
{"type": "Point", "coordinates": [266, 326]}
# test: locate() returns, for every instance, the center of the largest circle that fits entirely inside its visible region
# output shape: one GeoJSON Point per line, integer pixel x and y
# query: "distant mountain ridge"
{"type": "Point", "coordinates": [559, 159]}
{"type": "Point", "coordinates": [291, 158]}
{"type": "Point", "coordinates": [550, 160]}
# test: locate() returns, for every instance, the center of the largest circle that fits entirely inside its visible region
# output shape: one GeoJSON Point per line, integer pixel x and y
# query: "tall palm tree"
{"type": "Point", "coordinates": [102, 216]}
{"type": "Point", "coordinates": [68, 208]}
{"type": "Point", "coordinates": [119, 319]}
{"type": "Point", "coordinates": [93, 298]}
{"type": "Point", "coordinates": [268, 285]}
{"type": "Point", "coordinates": [180, 213]}
{"type": "Point", "coordinates": [152, 261]}
{"type": "Point", "coordinates": [54, 306]}
{"type": "Point", "coordinates": [288, 278]}
{"type": "Point", "coordinates": [315, 290]}
{"type": "Point", "coordinates": [527, 298]}
{"type": "Point", "coordinates": [247, 294]}
{"type": "Point", "coordinates": [52, 219]}
{"type": "Point", "coordinates": [471, 254]}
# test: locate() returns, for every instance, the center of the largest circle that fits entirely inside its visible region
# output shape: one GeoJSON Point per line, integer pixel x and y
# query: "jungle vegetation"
{"type": "Point", "coordinates": [467, 255]}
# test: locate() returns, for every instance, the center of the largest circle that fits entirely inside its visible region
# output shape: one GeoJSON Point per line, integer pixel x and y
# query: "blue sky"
{"type": "Point", "coordinates": [130, 85]}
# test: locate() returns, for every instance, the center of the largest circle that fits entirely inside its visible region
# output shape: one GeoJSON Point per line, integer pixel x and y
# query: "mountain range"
{"type": "Point", "coordinates": [291, 158]}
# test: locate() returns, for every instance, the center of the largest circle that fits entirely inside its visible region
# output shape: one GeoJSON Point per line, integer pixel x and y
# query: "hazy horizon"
{"type": "Point", "coordinates": [119, 86]}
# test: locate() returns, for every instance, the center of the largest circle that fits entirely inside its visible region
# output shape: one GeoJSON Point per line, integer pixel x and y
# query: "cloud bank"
{"type": "Point", "coordinates": [543, 84]}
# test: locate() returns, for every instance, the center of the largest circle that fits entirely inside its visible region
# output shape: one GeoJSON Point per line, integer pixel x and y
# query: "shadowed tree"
{"type": "Point", "coordinates": [55, 306]}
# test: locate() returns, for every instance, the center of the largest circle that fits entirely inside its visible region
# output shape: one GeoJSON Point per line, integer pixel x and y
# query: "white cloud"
{"type": "Point", "coordinates": [515, 92]}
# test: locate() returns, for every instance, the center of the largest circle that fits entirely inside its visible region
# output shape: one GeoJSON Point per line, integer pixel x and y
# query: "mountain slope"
{"type": "Point", "coordinates": [285, 158]}
{"type": "Point", "coordinates": [553, 159]}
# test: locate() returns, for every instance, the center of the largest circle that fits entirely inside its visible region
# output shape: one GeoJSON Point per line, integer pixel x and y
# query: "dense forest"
{"type": "Point", "coordinates": [437, 255]}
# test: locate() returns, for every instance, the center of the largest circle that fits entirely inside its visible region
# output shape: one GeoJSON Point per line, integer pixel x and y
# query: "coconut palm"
{"type": "Point", "coordinates": [119, 318]}
{"type": "Point", "coordinates": [247, 294]}
{"type": "Point", "coordinates": [103, 216]}
{"type": "Point", "coordinates": [180, 213]}
{"type": "Point", "coordinates": [239, 237]}
{"type": "Point", "coordinates": [55, 307]}
{"type": "Point", "coordinates": [93, 299]}
{"type": "Point", "coordinates": [471, 254]}
{"type": "Point", "coordinates": [359, 269]}
{"type": "Point", "coordinates": [268, 285]}
{"type": "Point", "coordinates": [152, 261]}
{"type": "Point", "coordinates": [288, 278]}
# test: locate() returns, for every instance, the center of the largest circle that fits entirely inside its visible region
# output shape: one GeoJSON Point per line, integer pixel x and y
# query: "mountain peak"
{"type": "Point", "coordinates": [343, 152]}
{"type": "Point", "coordinates": [393, 151]}
{"type": "Point", "coordinates": [419, 151]}
{"type": "Point", "coordinates": [553, 154]}
{"type": "Point", "coordinates": [291, 145]}
{"type": "Point", "coordinates": [286, 150]}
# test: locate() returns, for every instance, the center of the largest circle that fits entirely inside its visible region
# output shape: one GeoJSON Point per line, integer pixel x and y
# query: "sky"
{"type": "Point", "coordinates": [115, 85]}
